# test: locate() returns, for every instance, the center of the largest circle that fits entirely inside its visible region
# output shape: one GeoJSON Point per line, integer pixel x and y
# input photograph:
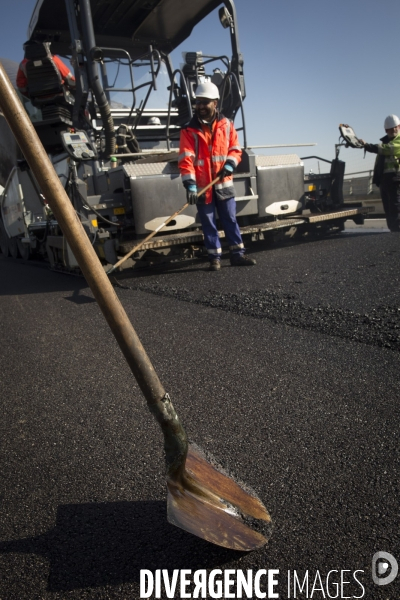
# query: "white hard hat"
{"type": "Point", "coordinates": [391, 121]}
{"type": "Point", "coordinates": [154, 121]}
{"type": "Point", "coordinates": [207, 90]}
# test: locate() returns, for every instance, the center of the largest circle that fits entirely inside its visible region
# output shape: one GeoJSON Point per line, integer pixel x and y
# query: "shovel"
{"type": "Point", "coordinates": [201, 499]}
{"type": "Point", "coordinates": [153, 233]}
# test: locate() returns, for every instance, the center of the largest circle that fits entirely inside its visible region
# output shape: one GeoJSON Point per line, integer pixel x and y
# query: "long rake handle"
{"type": "Point", "coordinates": [110, 305]}
{"type": "Point", "coordinates": [153, 233]}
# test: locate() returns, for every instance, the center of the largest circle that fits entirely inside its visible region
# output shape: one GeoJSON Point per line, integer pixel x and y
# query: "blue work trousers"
{"type": "Point", "coordinates": [227, 215]}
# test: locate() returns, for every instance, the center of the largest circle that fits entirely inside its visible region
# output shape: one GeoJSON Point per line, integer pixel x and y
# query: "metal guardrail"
{"type": "Point", "coordinates": [360, 186]}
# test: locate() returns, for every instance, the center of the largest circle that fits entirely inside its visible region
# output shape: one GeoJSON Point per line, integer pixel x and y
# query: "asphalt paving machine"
{"type": "Point", "coordinates": [114, 142]}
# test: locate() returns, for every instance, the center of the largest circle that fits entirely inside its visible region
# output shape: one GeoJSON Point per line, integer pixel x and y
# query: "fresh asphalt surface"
{"type": "Point", "coordinates": [287, 372]}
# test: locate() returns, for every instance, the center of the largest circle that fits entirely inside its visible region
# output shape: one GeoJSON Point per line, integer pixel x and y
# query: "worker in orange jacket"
{"type": "Point", "coordinates": [209, 147]}
{"type": "Point", "coordinates": [67, 77]}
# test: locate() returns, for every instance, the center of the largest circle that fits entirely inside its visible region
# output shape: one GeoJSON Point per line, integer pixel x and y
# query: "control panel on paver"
{"type": "Point", "coordinates": [78, 145]}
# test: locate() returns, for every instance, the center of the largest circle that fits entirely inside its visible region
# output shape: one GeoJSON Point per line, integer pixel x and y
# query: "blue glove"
{"type": "Point", "coordinates": [226, 170]}
{"type": "Point", "coordinates": [191, 194]}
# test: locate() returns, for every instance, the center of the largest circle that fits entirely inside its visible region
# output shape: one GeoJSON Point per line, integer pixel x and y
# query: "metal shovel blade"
{"type": "Point", "coordinates": [209, 504]}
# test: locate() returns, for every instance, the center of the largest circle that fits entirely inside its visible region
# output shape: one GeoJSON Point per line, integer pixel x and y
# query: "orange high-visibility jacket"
{"type": "Point", "coordinates": [202, 156]}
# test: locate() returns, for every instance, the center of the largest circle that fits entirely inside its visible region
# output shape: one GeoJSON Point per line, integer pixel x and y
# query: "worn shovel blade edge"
{"type": "Point", "coordinates": [204, 468]}
{"type": "Point", "coordinates": [213, 524]}
{"type": "Point", "coordinates": [232, 516]}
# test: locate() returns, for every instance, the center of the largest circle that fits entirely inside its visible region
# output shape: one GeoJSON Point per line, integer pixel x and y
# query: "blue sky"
{"type": "Point", "coordinates": [308, 65]}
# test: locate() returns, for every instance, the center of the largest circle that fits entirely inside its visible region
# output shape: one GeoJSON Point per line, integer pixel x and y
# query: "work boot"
{"type": "Point", "coordinates": [215, 265]}
{"type": "Point", "coordinates": [242, 261]}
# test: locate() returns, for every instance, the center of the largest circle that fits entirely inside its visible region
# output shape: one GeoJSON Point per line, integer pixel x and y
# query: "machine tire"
{"type": "Point", "coordinates": [24, 250]}
{"type": "Point", "coordinates": [13, 247]}
{"type": "Point", "coordinates": [4, 241]}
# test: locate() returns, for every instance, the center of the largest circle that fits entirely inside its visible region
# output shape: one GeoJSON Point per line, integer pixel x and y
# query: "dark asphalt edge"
{"type": "Point", "coordinates": [378, 327]}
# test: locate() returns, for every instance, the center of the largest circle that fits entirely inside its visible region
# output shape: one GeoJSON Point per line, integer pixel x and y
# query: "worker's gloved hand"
{"type": "Point", "coordinates": [226, 170]}
{"type": "Point", "coordinates": [191, 194]}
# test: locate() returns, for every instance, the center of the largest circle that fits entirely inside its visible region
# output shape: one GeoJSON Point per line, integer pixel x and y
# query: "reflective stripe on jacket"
{"type": "Point", "coordinates": [388, 157]}
{"type": "Point", "coordinates": [200, 162]}
{"type": "Point", "coordinates": [391, 152]}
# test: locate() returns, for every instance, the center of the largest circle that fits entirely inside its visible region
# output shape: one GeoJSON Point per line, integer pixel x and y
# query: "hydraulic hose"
{"type": "Point", "coordinates": [91, 209]}
{"type": "Point", "coordinates": [108, 124]}
{"type": "Point", "coordinates": [94, 79]}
